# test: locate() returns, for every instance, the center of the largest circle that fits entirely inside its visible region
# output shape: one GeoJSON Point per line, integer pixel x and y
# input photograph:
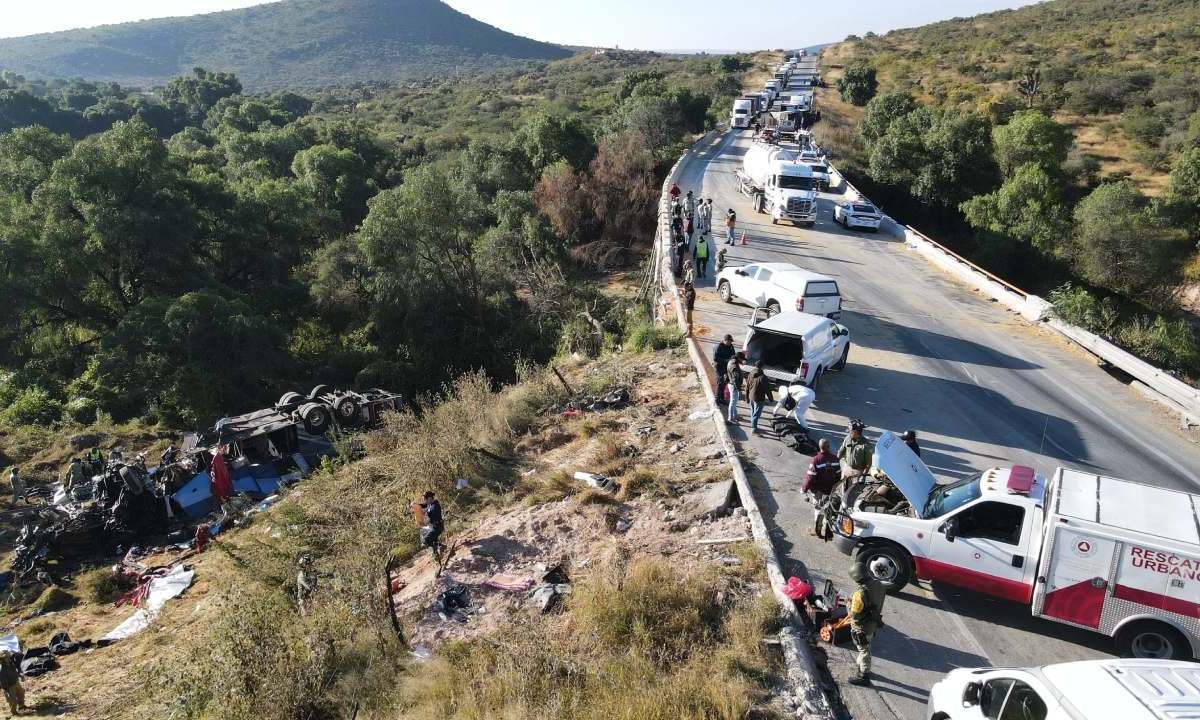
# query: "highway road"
{"type": "Point", "coordinates": [982, 388]}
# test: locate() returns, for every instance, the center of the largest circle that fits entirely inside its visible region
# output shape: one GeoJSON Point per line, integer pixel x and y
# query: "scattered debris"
{"type": "Point", "coordinates": [509, 582]}
{"type": "Point", "coordinates": [158, 591]}
{"type": "Point", "coordinates": [598, 481]}
{"type": "Point", "coordinates": [724, 541]}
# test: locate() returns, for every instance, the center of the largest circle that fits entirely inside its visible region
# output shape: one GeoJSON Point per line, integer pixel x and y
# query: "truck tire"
{"type": "Point", "coordinates": [841, 363]}
{"type": "Point", "coordinates": [724, 291]}
{"type": "Point", "coordinates": [898, 565]}
{"type": "Point", "coordinates": [759, 201]}
{"type": "Point", "coordinates": [1153, 640]}
{"type": "Point", "coordinates": [289, 398]}
{"type": "Point", "coordinates": [347, 410]}
{"type": "Point", "coordinates": [773, 308]}
{"type": "Point", "coordinates": [318, 391]}
{"type": "Point", "coordinates": [816, 379]}
{"type": "Point", "coordinates": [316, 418]}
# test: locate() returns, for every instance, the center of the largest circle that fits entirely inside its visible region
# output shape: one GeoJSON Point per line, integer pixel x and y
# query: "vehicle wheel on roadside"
{"type": "Point", "coordinates": [318, 391]}
{"type": "Point", "coordinates": [893, 573]}
{"type": "Point", "coordinates": [773, 308]}
{"type": "Point", "coordinates": [841, 363]}
{"type": "Point", "coordinates": [316, 419]}
{"type": "Point", "coordinates": [724, 291]}
{"type": "Point", "coordinates": [289, 398]}
{"type": "Point", "coordinates": [816, 379]}
{"type": "Point", "coordinates": [1151, 639]}
{"type": "Point", "coordinates": [347, 410]}
{"type": "Point", "coordinates": [774, 221]}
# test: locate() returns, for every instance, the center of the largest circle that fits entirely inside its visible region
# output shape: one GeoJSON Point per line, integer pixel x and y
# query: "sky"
{"type": "Point", "coordinates": [640, 24]}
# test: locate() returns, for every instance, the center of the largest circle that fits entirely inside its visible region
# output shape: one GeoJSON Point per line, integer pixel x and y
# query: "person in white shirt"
{"type": "Point", "coordinates": [795, 400]}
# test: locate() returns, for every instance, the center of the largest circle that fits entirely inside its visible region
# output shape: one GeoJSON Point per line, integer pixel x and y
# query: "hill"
{"type": "Point", "coordinates": [293, 43]}
{"type": "Point", "coordinates": [1121, 75]}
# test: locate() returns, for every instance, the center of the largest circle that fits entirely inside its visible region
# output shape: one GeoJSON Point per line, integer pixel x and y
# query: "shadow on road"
{"type": "Point", "coordinates": [882, 334]}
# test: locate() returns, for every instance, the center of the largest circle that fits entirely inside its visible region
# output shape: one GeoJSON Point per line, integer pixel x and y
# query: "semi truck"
{"type": "Point", "coordinates": [743, 113]}
{"type": "Point", "coordinates": [1112, 556]}
{"type": "Point", "coordinates": [778, 184]}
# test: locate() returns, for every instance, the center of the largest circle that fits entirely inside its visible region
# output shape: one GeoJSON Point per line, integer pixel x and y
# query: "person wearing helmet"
{"type": "Point", "coordinates": [866, 615]}
{"type": "Point", "coordinates": [856, 451]}
{"type": "Point", "coordinates": [910, 439]}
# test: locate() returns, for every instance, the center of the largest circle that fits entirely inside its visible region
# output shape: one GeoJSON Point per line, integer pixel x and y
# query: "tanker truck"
{"type": "Point", "coordinates": [778, 184]}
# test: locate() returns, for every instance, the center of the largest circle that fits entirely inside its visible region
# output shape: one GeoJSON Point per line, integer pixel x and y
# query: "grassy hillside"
{"type": "Point", "coordinates": [1120, 74]}
{"type": "Point", "coordinates": [294, 43]}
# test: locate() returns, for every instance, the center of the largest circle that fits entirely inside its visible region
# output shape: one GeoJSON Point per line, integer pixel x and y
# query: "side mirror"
{"type": "Point", "coordinates": [949, 529]}
{"type": "Point", "coordinates": [740, 272]}
{"type": "Point", "coordinates": [971, 692]}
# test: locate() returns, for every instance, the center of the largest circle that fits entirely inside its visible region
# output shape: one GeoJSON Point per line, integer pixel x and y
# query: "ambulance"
{"type": "Point", "coordinates": [1112, 556]}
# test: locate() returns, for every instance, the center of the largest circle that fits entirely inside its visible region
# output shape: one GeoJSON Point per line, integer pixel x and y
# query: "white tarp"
{"type": "Point", "coordinates": [161, 590]}
{"type": "Point", "coordinates": [10, 643]}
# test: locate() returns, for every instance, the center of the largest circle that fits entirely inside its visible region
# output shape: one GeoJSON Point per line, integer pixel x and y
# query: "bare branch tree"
{"type": "Point", "coordinates": [1030, 85]}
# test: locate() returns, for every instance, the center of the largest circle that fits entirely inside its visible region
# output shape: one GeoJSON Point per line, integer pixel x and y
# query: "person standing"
{"type": "Point", "coordinates": [823, 473]}
{"type": "Point", "coordinates": [96, 460]}
{"type": "Point", "coordinates": [758, 389]}
{"type": "Point", "coordinates": [689, 203]}
{"type": "Point", "coordinates": [689, 227]}
{"type": "Point", "coordinates": [730, 224]}
{"type": "Point", "coordinates": [689, 303]}
{"type": "Point", "coordinates": [219, 478]}
{"type": "Point", "coordinates": [910, 439]}
{"type": "Point", "coordinates": [431, 532]}
{"type": "Point", "coordinates": [708, 216]}
{"type": "Point", "coordinates": [10, 681]}
{"type": "Point", "coordinates": [866, 615]}
{"type": "Point", "coordinates": [736, 375]}
{"type": "Point", "coordinates": [18, 485]}
{"type": "Point", "coordinates": [721, 357]}
{"type": "Point", "coordinates": [856, 452]}
{"type": "Point", "coordinates": [674, 191]}
{"type": "Point", "coordinates": [75, 476]}
{"type": "Point", "coordinates": [702, 257]}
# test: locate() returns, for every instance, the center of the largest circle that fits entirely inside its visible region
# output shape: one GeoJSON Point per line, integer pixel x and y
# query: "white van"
{"type": "Point", "coordinates": [796, 348]}
{"type": "Point", "coordinates": [1088, 690]}
{"type": "Point", "coordinates": [781, 286]}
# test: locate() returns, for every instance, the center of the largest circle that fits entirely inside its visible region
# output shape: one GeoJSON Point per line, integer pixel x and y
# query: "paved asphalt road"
{"type": "Point", "coordinates": [981, 387]}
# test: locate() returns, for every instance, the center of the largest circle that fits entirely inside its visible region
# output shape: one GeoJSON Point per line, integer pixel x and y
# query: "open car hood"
{"type": "Point", "coordinates": [906, 471]}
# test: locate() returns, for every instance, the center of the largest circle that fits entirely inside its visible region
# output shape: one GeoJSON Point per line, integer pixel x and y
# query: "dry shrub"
{"type": "Point", "coordinates": [650, 644]}
{"type": "Point", "coordinates": [103, 586]}
{"type": "Point", "coordinates": [642, 481]}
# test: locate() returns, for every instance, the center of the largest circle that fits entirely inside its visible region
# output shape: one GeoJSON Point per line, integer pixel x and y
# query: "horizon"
{"type": "Point", "coordinates": [625, 24]}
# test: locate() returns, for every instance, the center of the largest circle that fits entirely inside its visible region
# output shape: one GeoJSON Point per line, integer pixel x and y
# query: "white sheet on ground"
{"type": "Point", "coordinates": [161, 590]}
{"type": "Point", "coordinates": [10, 643]}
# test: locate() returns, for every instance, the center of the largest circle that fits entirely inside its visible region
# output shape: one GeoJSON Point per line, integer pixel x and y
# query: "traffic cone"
{"type": "Point", "coordinates": [744, 238]}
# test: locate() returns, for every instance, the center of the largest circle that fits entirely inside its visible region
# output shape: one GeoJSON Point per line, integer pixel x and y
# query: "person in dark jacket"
{"type": "Point", "coordinates": [758, 390]}
{"type": "Point", "coordinates": [910, 439]}
{"type": "Point", "coordinates": [823, 474]}
{"type": "Point", "coordinates": [721, 357]}
{"type": "Point", "coordinates": [10, 682]}
{"type": "Point", "coordinates": [735, 377]}
{"type": "Point", "coordinates": [689, 303]}
{"type": "Point", "coordinates": [431, 533]}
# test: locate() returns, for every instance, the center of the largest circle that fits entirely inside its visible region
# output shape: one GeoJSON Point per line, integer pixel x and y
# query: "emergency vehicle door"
{"type": "Point", "coordinates": [1073, 578]}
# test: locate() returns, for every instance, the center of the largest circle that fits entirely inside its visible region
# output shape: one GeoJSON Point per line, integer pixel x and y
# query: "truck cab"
{"type": "Point", "coordinates": [790, 193]}
{"type": "Point", "coordinates": [982, 532]}
{"type": "Point", "coordinates": [742, 114]}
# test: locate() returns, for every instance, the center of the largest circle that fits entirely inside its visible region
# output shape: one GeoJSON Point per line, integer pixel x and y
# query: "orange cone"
{"type": "Point", "coordinates": [744, 238]}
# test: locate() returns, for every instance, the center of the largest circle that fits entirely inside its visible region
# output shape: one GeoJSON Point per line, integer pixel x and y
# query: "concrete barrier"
{"type": "Point", "coordinates": [803, 672]}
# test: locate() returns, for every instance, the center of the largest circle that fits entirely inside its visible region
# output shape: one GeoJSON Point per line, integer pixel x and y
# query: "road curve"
{"type": "Point", "coordinates": [981, 387]}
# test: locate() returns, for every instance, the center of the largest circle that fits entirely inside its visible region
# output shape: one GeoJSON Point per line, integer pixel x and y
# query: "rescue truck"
{"type": "Point", "coordinates": [1112, 556]}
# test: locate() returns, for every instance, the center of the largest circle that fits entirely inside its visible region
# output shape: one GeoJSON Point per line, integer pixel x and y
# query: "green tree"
{"type": "Point", "coordinates": [1184, 190]}
{"type": "Point", "coordinates": [1029, 207]}
{"type": "Point", "coordinates": [1031, 137]}
{"type": "Point", "coordinates": [882, 111]}
{"type": "Point", "coordinates": [338, 183]}
{"type": "Point", "coordinates": [26, 158]}
{"type": "Point", "coordinates": [942, 157]}
{"type": "Point", "coordinates": [201, 91]}
{"type": "Point", "coordinates": [1121, 244]}
{"type": "Point", "coordinates": [1143, 125]}
{"type": "Point", "coordinates": [857, 85]}
{"type": "Point", "coordinates": [548, 138]}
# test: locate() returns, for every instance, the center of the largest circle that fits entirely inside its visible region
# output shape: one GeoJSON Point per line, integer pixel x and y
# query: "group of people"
{"type": "Point", "coordinates": [692, 232]}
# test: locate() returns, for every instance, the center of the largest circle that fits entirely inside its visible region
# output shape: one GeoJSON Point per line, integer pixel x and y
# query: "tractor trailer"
{"type": "Point", "coordinates": [778, 184]}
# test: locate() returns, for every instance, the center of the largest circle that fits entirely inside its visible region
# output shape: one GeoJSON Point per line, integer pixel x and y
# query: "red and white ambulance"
{"type": "Point", "coordinates": [1109, 555]}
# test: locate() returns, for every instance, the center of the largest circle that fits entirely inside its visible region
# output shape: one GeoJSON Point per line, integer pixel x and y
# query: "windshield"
{"type": "Point", "coordinates": [950, 497]}
{"type": "Point", "coordinates": [739, 111]}
{"type": "Point", "coordinates": [791, 182]}
{"type": "Point", "coordinates": [864, 209]}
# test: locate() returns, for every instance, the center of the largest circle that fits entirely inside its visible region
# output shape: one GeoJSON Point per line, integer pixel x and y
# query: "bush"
{"type": "Point", "coordinates": [644, 335]}
{"type": "Point", "coordinates": [1077, 306]}
{"type": "Point", "coordinates": [33, 406]}
{"type": "Point", "coordinates": [1143, 125]}
{"type": "Point", "coordinates": [1169, 344]}
{"type": "Point", "coordinates": [103, 586]}
{"type": "Point", "coordinates": [857, 85]}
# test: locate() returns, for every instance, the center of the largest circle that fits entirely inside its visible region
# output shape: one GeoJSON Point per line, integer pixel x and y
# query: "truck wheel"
{"type": "Point", "coordinates": [841, 363]}
{"type": "Point", "coordinates": [347, 410]}
{"type": "Point", "coordinates": [316, 419]}
{"type": "Point", "coordinates": [318, 391]}
{"type": "Point", "coordinates": [773, 308]}
{"type": "Point", "coordinates": [724, 291]}
{"type": "Point", "coordinates": [289, 399]}
{"type": "Point", "coordinates": [1153, 640]}
{"type": "Point", "coordinates": [895, 570]}
{"type": "Point", "coordinates": [774, 221]}
{"type": "Point", "coordinates": [816, 379]}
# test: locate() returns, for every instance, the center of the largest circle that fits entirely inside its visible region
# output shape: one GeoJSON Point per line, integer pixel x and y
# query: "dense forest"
{"type": "Point", "coordinates": [290, 44]}
{"type": "Point", "coordinates": [192, 253]}
{"type": "Point", "coordinates": [998, 166]}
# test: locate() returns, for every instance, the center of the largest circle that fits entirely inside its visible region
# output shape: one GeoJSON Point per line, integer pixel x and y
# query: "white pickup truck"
{"type": "Point", "coordinates": [796, 348]}
{"type": "Point", "coordinates": [779, 286]}
{"type": "Point", "coordinates": [1112, 556]}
